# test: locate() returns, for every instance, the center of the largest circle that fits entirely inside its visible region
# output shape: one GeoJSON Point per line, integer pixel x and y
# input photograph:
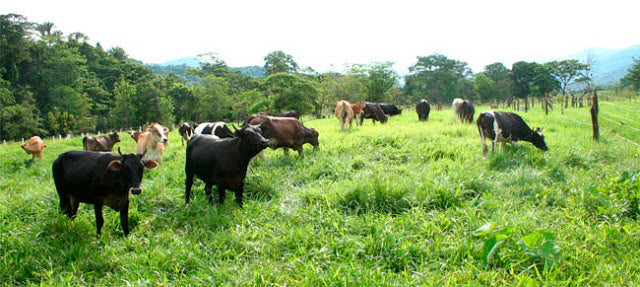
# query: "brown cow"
{"type": "Point", "coordinates": [135, 135]}
{"type": "Point", "coordinates": [357, 112]}
{"type": "Point", "coordinates": [34, 147]}
{"type": "Point", "coordinates": [285, 132]}
{"type": "Point", "coordinates": [344, 113]}
{"type": "Point", "coordinates": [152, 141]}
{"type": "Point", "coordinates": [102, 143]}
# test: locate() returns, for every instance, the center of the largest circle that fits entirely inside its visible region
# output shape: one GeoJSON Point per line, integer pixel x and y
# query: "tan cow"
{"type": "Point", "coordinates": [344, 113]}
{"type": "Point", "coordinates": [153, 140]}
{"type": "Point", "coordinates": [357, 112]}
{"type": "Point", "coordinates": [34, 147]}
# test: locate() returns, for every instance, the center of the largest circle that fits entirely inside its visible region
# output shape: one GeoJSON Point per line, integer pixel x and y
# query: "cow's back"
{"type": "Point", "coordinates": [512, 125]}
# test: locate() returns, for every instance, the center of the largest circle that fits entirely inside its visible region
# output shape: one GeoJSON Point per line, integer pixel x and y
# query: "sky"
{"type": "Point", "coordinates": [326, 35]}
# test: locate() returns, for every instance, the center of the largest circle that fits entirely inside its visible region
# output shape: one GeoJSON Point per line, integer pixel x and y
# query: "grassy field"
{"type": "Point", "coordinates": [406, 203]}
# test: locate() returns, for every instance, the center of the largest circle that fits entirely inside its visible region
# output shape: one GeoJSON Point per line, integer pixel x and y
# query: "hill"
{"type": "Point", "coordinates": [180, 67]}
{"type": "Point", "coordinates": [610, 65]}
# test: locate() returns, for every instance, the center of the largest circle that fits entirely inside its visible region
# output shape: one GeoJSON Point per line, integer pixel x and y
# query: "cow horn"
{"type": "Point", "coordinates": [119, 152]}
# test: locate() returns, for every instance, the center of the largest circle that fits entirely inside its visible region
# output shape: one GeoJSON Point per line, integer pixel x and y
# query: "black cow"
{"type": "Point", "coordinates": [222, 162]}
{"type": "Point", "coordinates": [423, 108]}
{"type": "Point", "coordinates": [186, 130]}
{"type": "Point", "coordinates": [374, 112]}
{"type": "Point", "coordinates": [466, 112]}
{"type": "Point", "coordinates": [390, 109]}
{"type": "Point", "coordinates": [507, 127]}
{"type": "Point", "coordinates": [218, 129]}
{"type": "Point", "coordinates": [99, 178]}
{"type": "Point", "coordinates": [291, 114]}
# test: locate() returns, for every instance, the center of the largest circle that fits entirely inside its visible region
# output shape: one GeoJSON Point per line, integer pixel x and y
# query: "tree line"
{"type": "Point", "coordinates": [56, 84]}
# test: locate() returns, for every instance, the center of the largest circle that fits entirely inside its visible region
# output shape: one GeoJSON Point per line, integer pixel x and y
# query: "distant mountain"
{"type": "Point", "coordinates": [610, 65]}
{"type": "Point", "coordinates": [180, 67]}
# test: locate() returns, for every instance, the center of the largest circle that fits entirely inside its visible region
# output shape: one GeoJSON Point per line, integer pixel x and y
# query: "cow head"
{"type": "Point", "coordinates": [159, 132]}
{"type": "Point", "coordinates": [312, 137]}
{"type": "Point", "coordinates": [252, 136]}
{"type": "Point", "coordinates": [537, 139]}
{"type": "Point", "coordinates": [131, 168]}
{"type": "Point", "coordinates": [115, 138]}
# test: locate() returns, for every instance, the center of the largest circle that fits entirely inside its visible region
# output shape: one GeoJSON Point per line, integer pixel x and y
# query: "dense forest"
{"type": "Point", "coordinates": [56, 84]}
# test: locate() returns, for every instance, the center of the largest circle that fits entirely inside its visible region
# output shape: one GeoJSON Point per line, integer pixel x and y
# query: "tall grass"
{"type": "Point", "coordinates": [406, 203]}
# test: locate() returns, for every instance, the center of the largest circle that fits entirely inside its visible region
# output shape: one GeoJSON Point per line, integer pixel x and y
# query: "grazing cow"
{"type": "Point", "coordinates": [34, 147]}
{"type": "Point", "coordinates": [357, 112]}
{"type": "Point", "coordinates": [390, 109]}
{"type": "Point", "coordinates": [423, 108]}
{"type": "Point", "coordinates": [291, 114]}
{"type": "Point", "coordinates": [186, 130]}
{"type": "Point", "coordinates": [374, 112]}
{"type": "Point", "coordinates": [222, 162]}
{"type": "Point", "coordinates": [153, 140]}
{"type": "Point", "coordinates": [99, 178]}
{"type": "Point", "coordinates": [285, 132]}
{"type": "Point", "coordinates": [455, 106]}
{"type": "Point", "coordinates": [507, 127]}
{"type": "Point", "coordinates": [466, 112]}
{"type": "Point", "coordinates": [344, 113]}
{"type": "Point", "coordinates": [217, 129]}
{"type": "Point", "coordinates": [101, 143]}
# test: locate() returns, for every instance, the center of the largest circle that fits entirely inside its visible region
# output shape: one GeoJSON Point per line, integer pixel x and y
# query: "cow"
{"type": "Point", "coordinates": [218, 129]}
{"type": "Point", "coordinates": [357, 111]}
{"type": "Point", "coordinates": [507, 127]}
{"type": "Point", "coordinates": [186, 130]}
{"type": "Point", "coordinates": [34, 147]}
{"type": "Point", "coordinates": [285, 132]}
{"type": "Point", "coordinates": [153, 140]}
{"type": "Point", "coordinates": [135, 135]}
{"type": "Point", "coordinates": [101, 143]}
{"type": "Point", "coordinates": [344, 113]}
{"type": "Point", "coordinates": [99, 178]}
{"type": "Point", "coordinates": [374, 112]}
{"type": "Point", "coordinates": [423, 108]}
{"type": "Point", "coordinates": [390, 109]}
{"type": "Point", "coordinates": [222, 162]}
{"type": "Point", "coordinates": [291, 114]}
{"type": "Point", "coordinates": [466, 112]}
{"type": "Point", "coordinates": [455, 106]}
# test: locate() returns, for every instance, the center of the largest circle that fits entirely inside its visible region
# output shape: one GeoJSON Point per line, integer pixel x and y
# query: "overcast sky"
{"type": "Point", "coordinates": [327, 34]}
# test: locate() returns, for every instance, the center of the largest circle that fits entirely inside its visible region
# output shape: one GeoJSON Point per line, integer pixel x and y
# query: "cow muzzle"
{"type": "Point", "coordinates": [135, 190]}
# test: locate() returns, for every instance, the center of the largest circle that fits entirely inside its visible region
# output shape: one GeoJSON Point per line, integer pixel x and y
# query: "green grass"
{"type": "Point", "coordinates": [406, 203]}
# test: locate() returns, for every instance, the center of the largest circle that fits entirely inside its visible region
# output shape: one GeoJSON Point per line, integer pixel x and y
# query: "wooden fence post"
{"type": "Point", "coordinates": [594, 116]}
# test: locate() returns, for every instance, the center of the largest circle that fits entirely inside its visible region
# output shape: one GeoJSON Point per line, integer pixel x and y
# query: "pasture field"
{"type": "Point", "coordinates": [406, 203]}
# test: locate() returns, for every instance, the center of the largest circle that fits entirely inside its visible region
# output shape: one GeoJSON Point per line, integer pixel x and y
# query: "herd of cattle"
{"type": "Point", "coordinates": [219, 156]}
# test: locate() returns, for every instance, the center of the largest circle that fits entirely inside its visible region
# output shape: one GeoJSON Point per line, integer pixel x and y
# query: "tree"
{"type": "Point", "coordinates": [122, 112]}
{"type": "Point", "coordinates": [501, 76]}
{"type": "Point", "coordinates": [437, 76]}
{"type": "Point", "coordinates": [485, 87]}
{"type": "Point", "coordinates": [13, 46]}
{"type": "Point", "coordinates": [522, 75]}
{"type": "Point", "coordinates": [565, 72]}
{"type": "Point", "coordinates": [632, 78]}
{"type": "Point", "coordinates": [279, 62]}
{"type": "Point", "coordinates": [290, 92]}
{"type": "Point", "coordinates": [378, 79]}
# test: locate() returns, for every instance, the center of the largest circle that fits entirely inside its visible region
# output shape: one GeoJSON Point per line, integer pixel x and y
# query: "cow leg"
{"type": "Point", "coordinates": [188, 184]}
{"type": "Point", "coordinates": [286, 151]}
{"type": "Point", "coordinates": [300, 152]}
{"type": "Point", "coordinates": [222, 193]}
{"type": "Point", "coordinates": [482, 140]}
{"type": "Point", "coordinates": [207, 190]}
{"type": "Point", "coordinates": [74, 207]}
{"type": "Point", "coordinates": [349, 121]}
{"type": "Point", "coordinates": [239, 195]}
{"type": "Point", "coordinates": [261, 154]}
{"type": "Point", "coordinates": [182, 140]}
{"type": "Point", "coordinates": [341, 124]}
{"type": "Point", "coordinates": [124, 216]}
{"type": "Point", "coordinates": [514, 143]}
{"type": "Point", "coordinates": [99, 219]}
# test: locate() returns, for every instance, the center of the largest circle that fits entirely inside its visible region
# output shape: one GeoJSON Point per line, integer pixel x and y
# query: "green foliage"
{"type": "Point", "coordinates": [290, 92]}
{"type": "Point", "coordinates": [566, 71]}
{"type": "Point", "coordinates": [632, 78]}
{"type": "Point", "coordinates": [279, 62]}
{"type": "Point", "coordinates": [439, 77]}
{"type": "Point", "coordinates": [485, 88]}
{"type": "Point", "coordinates": [378, 80]}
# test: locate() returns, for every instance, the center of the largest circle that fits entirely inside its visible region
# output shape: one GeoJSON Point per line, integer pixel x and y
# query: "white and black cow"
{"type": "Point", "coordinates": [99, 178]}
{"type": "Point", "coordinates": [222, 162]}
{"type": "Point", "coordinates": [217, 129]}
{"type": "Point", "coordinates": [507, 127]}
{"type": "Point", "coordinates": [423, 108]}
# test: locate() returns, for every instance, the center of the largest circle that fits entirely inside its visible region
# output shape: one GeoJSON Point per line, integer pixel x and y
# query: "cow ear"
{"type": "Point", "coordinates": [166, 130]}
{"type": "Point", "coordinates": [115, 165]}
{"type": "Point", "coordinates": [150, 164]}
